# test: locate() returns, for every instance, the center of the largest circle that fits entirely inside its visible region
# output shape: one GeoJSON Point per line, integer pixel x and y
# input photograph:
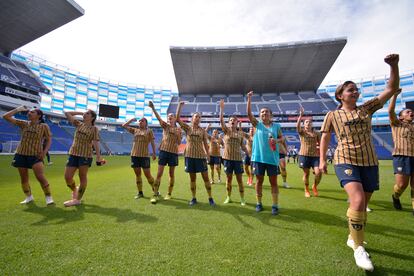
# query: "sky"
{"type": "Point", "coordinates": [128, 40]}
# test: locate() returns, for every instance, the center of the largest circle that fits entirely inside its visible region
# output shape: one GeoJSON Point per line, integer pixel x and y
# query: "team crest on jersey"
{"type": "Point", "coordinates": [348, 172]}
{"type": "Point", "coordinates": [399, 169]}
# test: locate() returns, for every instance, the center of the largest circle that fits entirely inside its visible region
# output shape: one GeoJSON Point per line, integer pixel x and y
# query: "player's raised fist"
{"type": "Point", "coordinates": [392, 59]}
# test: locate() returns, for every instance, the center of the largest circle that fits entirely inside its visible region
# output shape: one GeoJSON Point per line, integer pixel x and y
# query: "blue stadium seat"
{"type": "Point", "coordinates": [314, 107]}
{"type": "Point", "coordinates": [235, 98]}
{"type": "Point", "coordinates": [209, 108]}
{"type": "Point", "coordinates": [289, 97]}
{"type": "Point", "coordinates": [289, 108]}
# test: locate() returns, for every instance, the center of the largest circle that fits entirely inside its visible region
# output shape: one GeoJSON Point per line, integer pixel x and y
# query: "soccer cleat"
{"type": "Point", "coordinates": [368, 209]}
{"type": "Point", "coordinates": [396, 202]}
{"type": "Point", "coordinates": [167, 197]}
{"type": "Point", "coordinates": [228, 200]}
{"type": "Point", "coordinates": [315, 190]}
{"type": "Point", "coordinates": [192, 202]}
{"type": "Point", "coordinates": [27, 200]}
{"type": "Point", "coordinates": [211, 202]}
{"type": "Point", "coordinates": [49, 200]}
{"type": "Point", "coordinates": [275, 210]}
{"type": "Point", "coordinates": [242, 202]}
{"type": "Point", "coordinates": [72, 202]}
{"type": "Point", "coordinates": [139, 195]}
{"type": "Point", "coordinates": [286, 186]}
{"type": "Point", "coordinates": [153, 199]}
{"type": "Point", "coordinates": [50, 163]}
{"type": "Point", "coordinates": [307, 193]}
{"type": "Point", "coordinates": [362, 259]}
{"type": "Point", "coordinates": [218, 181]}
{"type": "Point", "coordinates": [259, 207]}
{"type": "Point", "coordinates": [211, 182]}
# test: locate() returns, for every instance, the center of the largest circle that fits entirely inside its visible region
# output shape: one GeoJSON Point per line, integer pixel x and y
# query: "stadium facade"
{"type": "Point", "coordinates": [71, 90]}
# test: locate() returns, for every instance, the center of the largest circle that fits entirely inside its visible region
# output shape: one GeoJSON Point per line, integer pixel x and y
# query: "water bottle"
{"type": "Point", "coordinates": [272, 142]}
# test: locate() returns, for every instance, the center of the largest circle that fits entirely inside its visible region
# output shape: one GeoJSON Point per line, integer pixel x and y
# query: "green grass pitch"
{"type": "Point", "coordinates": [112, 233]}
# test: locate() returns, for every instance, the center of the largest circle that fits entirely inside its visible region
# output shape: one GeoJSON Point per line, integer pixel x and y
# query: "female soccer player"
{"type": "Point", "coordinates": [308, 153]}
{"type": "Point", "coordinates": [80, 154]}
{"type": "Point", "coordinates": [247, 158]}
{"type": "Point", "coordinates": [265, 153]}
{"type": "Point", "coordinates": [168, 155]}
{"type": "Point", "coordinates": [403, 154]}
{"type": "Point", "coordinates": [30, 151]}
{"type": "Point", "coordinates": [282, 162]}
{"type": "Point", "coordinates": [196, 153]}
{"type": "Point", "coordinates": [356, 164]}
{"type": "Point", "coordinates": [214, 152]}
{"type": "Point", "coordinates": [233, 143]}
{"type": "Point", "coordinates": [143, 136]}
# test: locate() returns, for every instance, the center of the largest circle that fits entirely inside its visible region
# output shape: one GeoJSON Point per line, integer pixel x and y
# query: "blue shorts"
{"type": "Point", "coordinates": [282, 155]}
{"type": "Point", "coordinates": [247, 160]}
{"type": "Point", "coordinates": [368, 176]}
{"type": "Point", "coordinates": [78, 161]}
{"type": "Point", "coordinates": [215, 160]}
{"type": "Point", "coordinates": [140, 162]}
{"type": "Point", "coordinates": [261, 168]}
{"type": "Point", "coordinates": [25, 161]}
{"type": "Point", "coordinates": [165, 157]}
{"type": "Point", "coordinates": [307, 162]}
{"type": "Point", "coordinates": [233, 166]}
{"type": "Point", "coordinates": [403, 164]}
{"type": "Point", "coordinates": [195, 165]}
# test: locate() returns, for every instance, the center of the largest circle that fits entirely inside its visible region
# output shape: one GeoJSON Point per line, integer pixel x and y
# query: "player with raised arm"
{"type": "Point", "coordinates": [265, 153]}
{"type": "Point", "coordinates": [196, 154]}
{"type": "Point", "coordinates": [30, 151]}
{"type": "Point", "coordinates": [168, 151]}
{"type": "Point", "coordinates": [308, 153]}
{"type": "Point", "coordinates": [233, 144]}
{"type": "Point", "coordinates": [403, 155]}
{"type": "Point", "coordinates": [140, 160]}
{"type": "Point", "coordinates": [80, 154]}
{"type": "Point", "coordinates": [356, 163]}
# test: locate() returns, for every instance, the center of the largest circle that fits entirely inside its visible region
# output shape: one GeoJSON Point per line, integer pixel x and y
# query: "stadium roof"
{"type": "Point", "coordinates": [22, 21]}
{"type": "Point", "coordinates": [283, 67]}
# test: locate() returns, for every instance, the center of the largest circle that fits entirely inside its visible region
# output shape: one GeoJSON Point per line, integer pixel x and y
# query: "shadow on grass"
{"type": "Point", "coordinates": [234, 209]}
{"type": "Point", "coordinates": [56, 215]}
{"type": "Point", "coordinates": [381, 270]}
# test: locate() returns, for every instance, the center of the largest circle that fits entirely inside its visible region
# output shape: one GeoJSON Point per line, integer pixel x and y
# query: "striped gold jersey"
{"type": "Point", "coordinates": [32, 137]}
{"type": "Point", "coordinates": [309, 142]}
{"type": "Point", "coordinates": [214, 146]}
{"type": "Point", "coordinates": [249, 142]}
{"type": "Point", "coordinates": [233, 142]}
{"type": "Point", "coordinates": [142, 138]}
{"type": "Point", "coordinates": [403, 136]}
{"type": "Point", "coordinates": [353, 131]}
{"type": "Point", "coordinates": [171, 138]}
{"type": "Point", "coordinates": [195, 138]}
{"type": "Point", "coordinates": [82, 139]}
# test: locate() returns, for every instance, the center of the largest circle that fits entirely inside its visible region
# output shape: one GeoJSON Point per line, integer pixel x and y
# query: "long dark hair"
{"type": "Point", "coordinates": [339, 90]}
{"type": "Point", "coordinates": [40, 114]}
{"type": "Point", "coordinates": [93, 113]}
